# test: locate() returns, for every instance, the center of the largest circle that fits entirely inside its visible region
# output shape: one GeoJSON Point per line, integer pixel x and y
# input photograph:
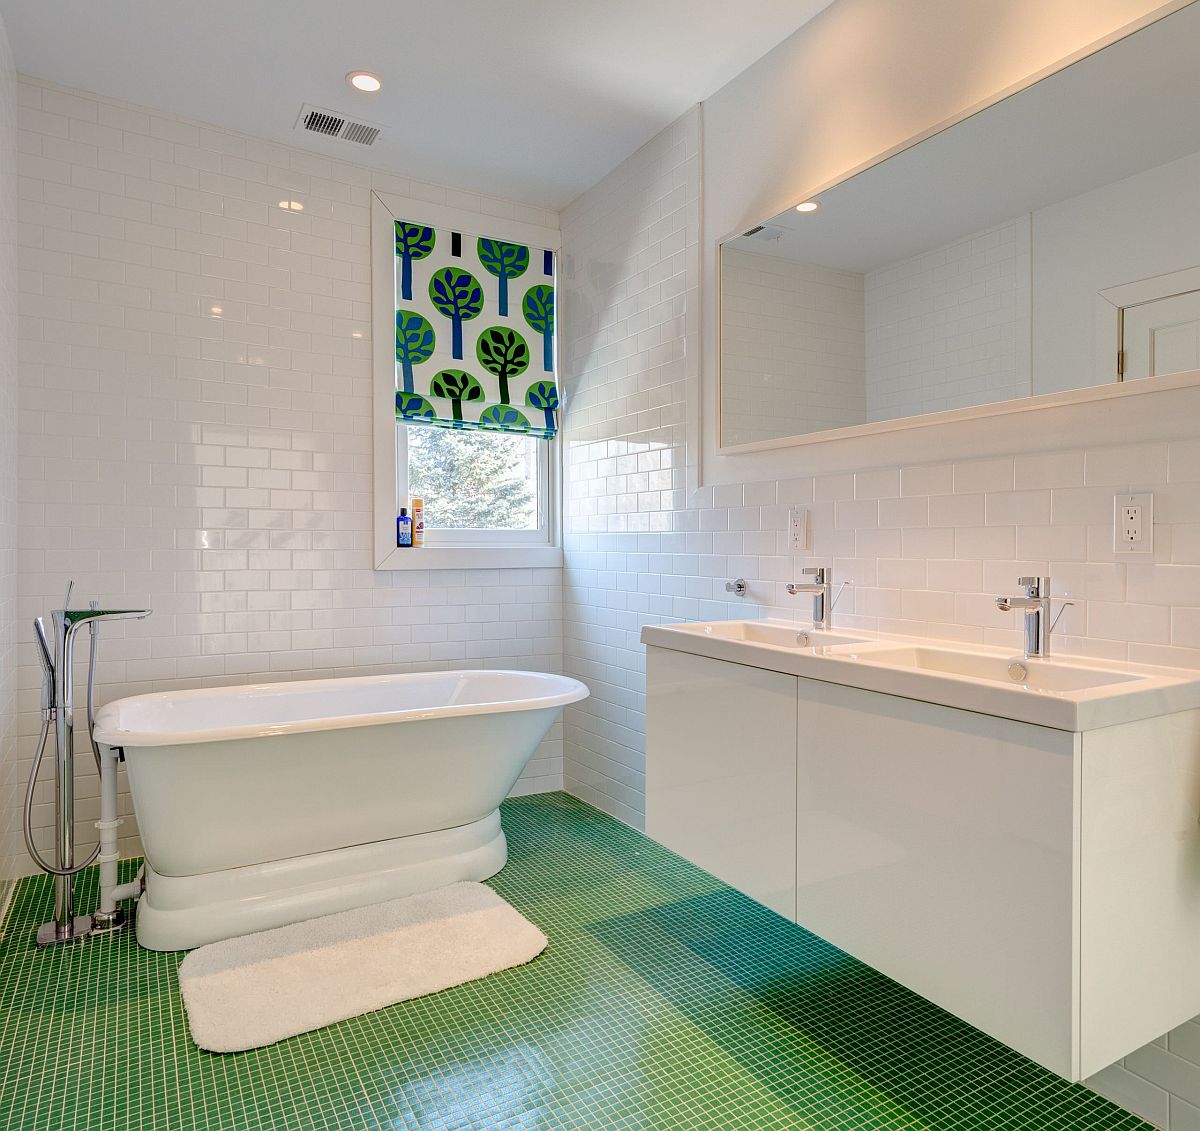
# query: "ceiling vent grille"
{"type": "Point", "coordinates": [360, 132]}
{"type": "Point", "coordinates": [326, 123]}
{"type": "Point", "coordinates": [764, 232]}
{"type": "Point", "coordinates": [321, 123]}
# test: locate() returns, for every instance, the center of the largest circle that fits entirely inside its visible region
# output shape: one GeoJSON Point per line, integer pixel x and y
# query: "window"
{"type": "Point", "coordinates": [478, 487]}
{"type": "Point", "coordinates": [466, 398]}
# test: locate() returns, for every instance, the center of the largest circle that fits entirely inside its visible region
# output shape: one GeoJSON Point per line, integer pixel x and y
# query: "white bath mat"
{"type": "Point", "coordinates": [258, 989]}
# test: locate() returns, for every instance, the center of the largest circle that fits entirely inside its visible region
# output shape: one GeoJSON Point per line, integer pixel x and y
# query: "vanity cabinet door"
{"type": "Point", "coordinates": [936, 846]}
{"type": "Point", "coordinates": [1139, 884]}
{"type": "Point", "coordinates": [721, 770]}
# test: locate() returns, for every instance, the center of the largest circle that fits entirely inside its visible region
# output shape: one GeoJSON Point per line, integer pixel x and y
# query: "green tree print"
{"type": "Point", "coordinates": [412, 242]}
{"type": "Point", "coordinates": [457, 295]}
{"type": "Point", "coordinates": [544, 395]}
{"type": "Point", "coordinates": [504, 354]}
{"type": "Point", "coordinates": [411, 406]}
{"type": "Point", "coordinates": [505, 261]}
{"type": "Point", "coordinates": [456, 386]}
{"type": "Point", "coordinates": [538, 309]}
{"type": "Point", "coordinates": [414, 343]}
{"type": "Point", "coordinates": [504, 418]}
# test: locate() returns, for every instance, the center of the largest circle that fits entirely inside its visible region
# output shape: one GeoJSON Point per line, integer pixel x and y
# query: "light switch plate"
{"type": "Point", "coordinates": [1133, 524]}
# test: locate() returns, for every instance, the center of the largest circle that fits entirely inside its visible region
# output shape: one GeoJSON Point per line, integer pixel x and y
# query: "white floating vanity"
{"type": "Point", "coordinates": [1015, 840]}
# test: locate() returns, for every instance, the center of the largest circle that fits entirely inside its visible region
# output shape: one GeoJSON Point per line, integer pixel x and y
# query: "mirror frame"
{"type": "Point", "coordinates": [1105, 344]}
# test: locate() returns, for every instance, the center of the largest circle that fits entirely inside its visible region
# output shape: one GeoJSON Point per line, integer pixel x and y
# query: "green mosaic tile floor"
{"type": "Point", "coordinates": [665, 1000]}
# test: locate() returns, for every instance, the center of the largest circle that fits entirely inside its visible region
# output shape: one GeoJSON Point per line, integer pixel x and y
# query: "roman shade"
{"type": "Point", "coordinates": [474, 332]}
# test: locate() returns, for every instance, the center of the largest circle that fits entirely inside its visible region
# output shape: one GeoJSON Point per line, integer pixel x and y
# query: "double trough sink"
{"type": "Point", "coordinates": [1066, 693]}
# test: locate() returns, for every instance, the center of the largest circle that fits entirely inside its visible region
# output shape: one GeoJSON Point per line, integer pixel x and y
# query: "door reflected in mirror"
{"type": "Point", "coordinates": [1048, 243]}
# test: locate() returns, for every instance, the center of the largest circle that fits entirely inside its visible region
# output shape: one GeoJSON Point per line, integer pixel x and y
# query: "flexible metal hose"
{"type": "Point", "coordinates": [27, 815]}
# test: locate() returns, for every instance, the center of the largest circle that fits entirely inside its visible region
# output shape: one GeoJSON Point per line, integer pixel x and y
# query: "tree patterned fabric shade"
{"type": "Point", "coordinates": [474, 332]}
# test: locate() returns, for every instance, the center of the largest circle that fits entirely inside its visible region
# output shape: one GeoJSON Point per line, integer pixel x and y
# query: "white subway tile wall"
{"type": "Point", "coordinates": [629, 348]}
{"type": "Point", "coordinates": [195, 423]}
{"type": "Point", "coordinates": [793, 340]}
{"type": "Point", "coordinates": [927, 547]}
{"type": "Point", "coordinates": [8, 460]}
{"type": "Point", "coordinates": [950, 327]}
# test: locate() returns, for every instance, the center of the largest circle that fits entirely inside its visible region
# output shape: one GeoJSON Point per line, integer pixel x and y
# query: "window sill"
{"type": "Point", "coordinates": [471, 557]}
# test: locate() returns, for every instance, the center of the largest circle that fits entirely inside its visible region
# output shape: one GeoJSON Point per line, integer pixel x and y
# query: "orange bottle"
{"type": "Point", "coordinates": [418, 522]}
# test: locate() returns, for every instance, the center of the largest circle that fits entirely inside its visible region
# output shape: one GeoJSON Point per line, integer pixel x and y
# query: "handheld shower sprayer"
{"type": "Point", "coordinates": [57, 660]}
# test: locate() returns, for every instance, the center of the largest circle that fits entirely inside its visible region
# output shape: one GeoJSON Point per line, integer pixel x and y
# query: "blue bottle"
{"type": "Point", "coordinates": [403, 528]}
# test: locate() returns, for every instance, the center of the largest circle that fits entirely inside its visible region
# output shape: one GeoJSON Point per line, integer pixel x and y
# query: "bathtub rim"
{"type": "Point", "coordinates": [109, 733]}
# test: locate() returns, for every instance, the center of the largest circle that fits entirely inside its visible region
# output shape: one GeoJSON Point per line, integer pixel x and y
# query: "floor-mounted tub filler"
{"type": "Point", "coordinates": [268, 804]}
{"type": "Point", "coordinates": [56, 650]}
{"type": "Point", "coordinates": [264, 805]}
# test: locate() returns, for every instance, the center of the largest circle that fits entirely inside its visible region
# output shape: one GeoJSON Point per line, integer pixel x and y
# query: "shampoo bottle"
{"type": "Point", "coordinates": [418, 522]}
{"type": "Point", "coordinates": [404, 528]}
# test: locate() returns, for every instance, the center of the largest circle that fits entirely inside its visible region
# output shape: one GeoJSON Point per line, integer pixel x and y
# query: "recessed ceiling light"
{"type": "Point", "coordinates": [291, 206]}
{"type": "Point", "coordinates": [364, 81]}
{"type": "Point", "coordinates": [216, 311]}
{"type": "Point", "coordinates": [807, 206]}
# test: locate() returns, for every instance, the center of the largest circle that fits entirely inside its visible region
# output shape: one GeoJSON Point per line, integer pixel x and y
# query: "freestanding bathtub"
{"type": "Point", "coordinates": [267, 804]}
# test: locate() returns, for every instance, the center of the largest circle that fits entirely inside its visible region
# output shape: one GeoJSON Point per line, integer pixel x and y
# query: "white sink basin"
{"type": "Point", "coordinates": [1033, 675]}
{"type": "Point", "coordinates": [1063, 692]}
{"type": "Point", "coordinates": [775, 634]}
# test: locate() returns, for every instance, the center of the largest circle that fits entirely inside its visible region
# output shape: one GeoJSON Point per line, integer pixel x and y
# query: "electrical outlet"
{"type": "Point", "coordinates": [798, 529]}
{"type": "Point", "coordinates": [1133, 524]}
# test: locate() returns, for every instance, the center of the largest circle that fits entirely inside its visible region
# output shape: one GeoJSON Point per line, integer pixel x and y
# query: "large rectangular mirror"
{"type": "Point", "coordinates": [1050, 242]}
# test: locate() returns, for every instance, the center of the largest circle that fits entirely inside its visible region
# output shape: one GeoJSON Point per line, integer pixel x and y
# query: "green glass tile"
{"type": "Point", "coordinates": [665, 1001]}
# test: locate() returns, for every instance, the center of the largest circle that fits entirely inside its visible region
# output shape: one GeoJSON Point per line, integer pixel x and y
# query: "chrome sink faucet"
{"type": "Point", "coordinates": [1036, 604]}
{"type": "Point", "coordinates": [821, 589]}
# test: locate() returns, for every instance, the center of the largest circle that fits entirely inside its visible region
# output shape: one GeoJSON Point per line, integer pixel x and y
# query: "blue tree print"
{"type": "Point", "coordinates": [505, 261]}
{"type": "Point", "coordinates": [505, 418]}
{"type": "Point", "coordinates": [414, 343]}
{"type": "Point", "coordinates": [538, 309]}
{"type": "Point", "coordinates": [411, 406]}
{"type": "Point", "coordinates": [456, 386]}
{"type": "Point", "coordinates": [458, 295]}
{"type": "Point", "coordinates": [544, 395]}
{"type": "Point", "coordinates": [412, 242]}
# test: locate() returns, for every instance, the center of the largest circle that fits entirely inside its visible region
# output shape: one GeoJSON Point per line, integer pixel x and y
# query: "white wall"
{"type": "Point", "coordinates": [949, 328]}
{"type": "Point", "coordinates": [219, 468]}
{"type": "Point", "coordinates": [928, 543]}
{"type": "Point", "coordinates": [794, 343]}
{"type": "Point", "coordinates": [628, 339]}
{"type": "Point", "coordinates": [8, 459]}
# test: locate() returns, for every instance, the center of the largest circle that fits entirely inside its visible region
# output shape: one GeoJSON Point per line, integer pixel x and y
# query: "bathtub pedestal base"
{"type": "Point", "coordinates": [181, 912]}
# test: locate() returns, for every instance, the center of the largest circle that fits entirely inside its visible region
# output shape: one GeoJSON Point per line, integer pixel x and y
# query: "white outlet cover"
{"type": "Point", "coordinates": [798, 529]}
{"type": "Point", "coordinates": [1138, 537]}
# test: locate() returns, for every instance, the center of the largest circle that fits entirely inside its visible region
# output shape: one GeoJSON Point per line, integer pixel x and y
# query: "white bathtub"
{"type": "Point", "coordinates": [266, 804]}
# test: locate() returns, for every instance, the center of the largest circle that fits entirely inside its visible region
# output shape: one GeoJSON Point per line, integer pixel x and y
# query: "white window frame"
{"type": "Point", "coordinates": [444, 549]}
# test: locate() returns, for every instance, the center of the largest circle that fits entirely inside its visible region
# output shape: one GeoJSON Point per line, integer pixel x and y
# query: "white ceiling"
{"type": "Point", "coordinates": [530, 99]}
